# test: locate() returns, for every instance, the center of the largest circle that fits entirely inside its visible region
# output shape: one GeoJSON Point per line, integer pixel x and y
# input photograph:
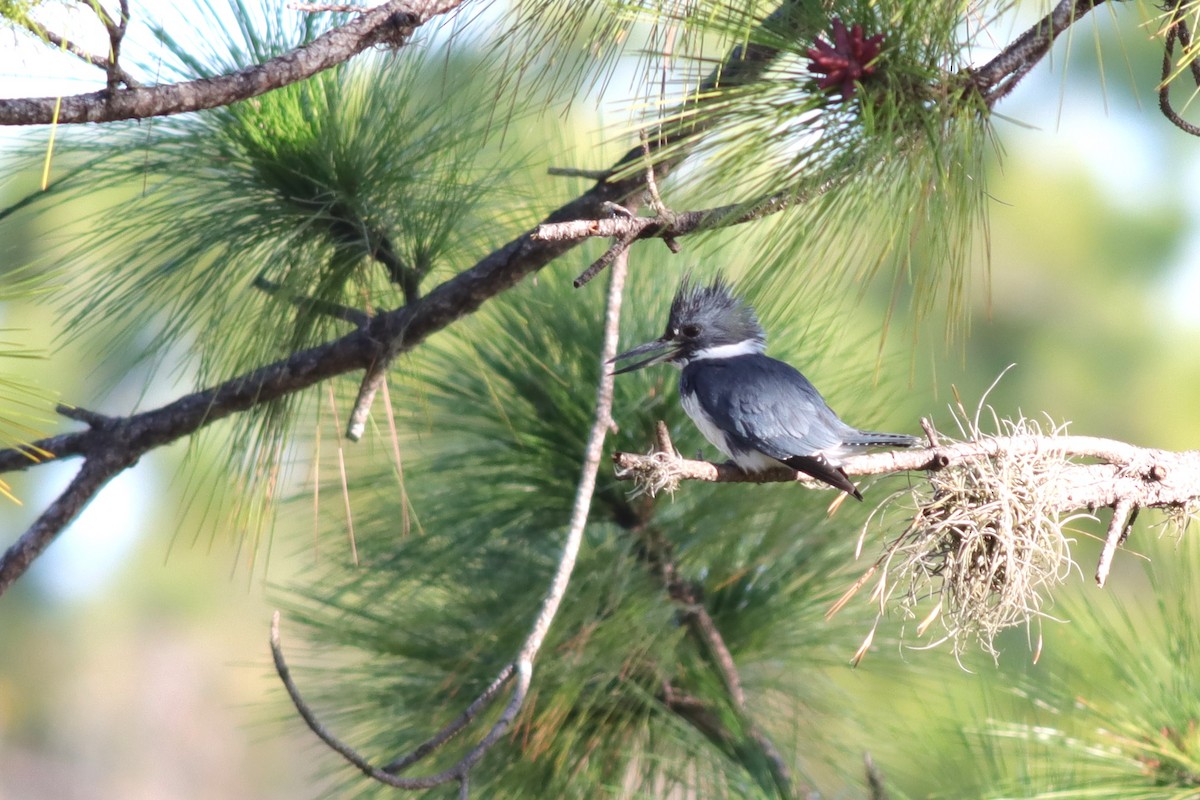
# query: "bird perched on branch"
{"type": "Point", "coordinates": [757, 410]}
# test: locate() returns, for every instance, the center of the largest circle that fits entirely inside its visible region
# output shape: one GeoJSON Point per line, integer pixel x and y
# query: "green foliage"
{"type": "Point", "coordinates": [17, 10]}
{"type": "Point", "coordinates": [1129, 725]}
{"type": "Point", "coordinates": [890, 179]}
{"type": "Point", "coordinates": [331, 190]}
{"type": "Point", "coordinates": [349, 189]}
{"type": "Point", "coordinates": [243, 35]}
{"type": "Point", "coordinates": [24, 409]}
{"type": "Point", "coordinates": [496, 418]}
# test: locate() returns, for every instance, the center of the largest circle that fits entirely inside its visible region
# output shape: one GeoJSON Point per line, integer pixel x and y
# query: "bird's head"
{"type": "Point", "coordinates": [705, 322]}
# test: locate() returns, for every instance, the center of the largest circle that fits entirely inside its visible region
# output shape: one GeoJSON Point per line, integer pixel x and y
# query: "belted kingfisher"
{"type": "Point", "coordinates": [758, 411]}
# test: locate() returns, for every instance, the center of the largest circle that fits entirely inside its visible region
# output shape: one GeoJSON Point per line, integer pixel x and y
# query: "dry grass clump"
{"type": "Point", "coordinates": [985, 545]}
{"type": "Point", "coordinates": [658, 472]}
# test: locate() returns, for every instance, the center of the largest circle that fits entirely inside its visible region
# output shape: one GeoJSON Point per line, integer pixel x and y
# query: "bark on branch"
{"type": "Point", "coordinates": [1058, 474]}
{"type": "Point", "coordinates": [391, 23]}
{"type": "Point", "coordinates": [1144, 476]}
{"type": "Point", "coordinates": [1000, 75]}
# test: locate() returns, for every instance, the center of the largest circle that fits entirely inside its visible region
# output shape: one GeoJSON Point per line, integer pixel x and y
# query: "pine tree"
{"type": "Point", "coordinates": [327, 229]}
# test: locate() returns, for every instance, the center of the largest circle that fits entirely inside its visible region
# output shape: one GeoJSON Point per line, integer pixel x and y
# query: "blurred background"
{"type": "Point", "coordinates": [134, 660]}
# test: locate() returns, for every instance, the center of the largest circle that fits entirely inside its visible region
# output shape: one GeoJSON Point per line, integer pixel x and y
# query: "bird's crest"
{"type": "Point", "coordinates": [714, 307]}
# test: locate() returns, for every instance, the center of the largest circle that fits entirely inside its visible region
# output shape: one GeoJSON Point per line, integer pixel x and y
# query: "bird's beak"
{"type": "Point", "coordinates": [664, 349]}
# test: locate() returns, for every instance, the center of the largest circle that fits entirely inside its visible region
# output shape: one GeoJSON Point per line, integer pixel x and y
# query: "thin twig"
{"type": "Point", "coordinates": [575, 172]}
{"type": "Point", "coordinates": [690, 596]}
{"type": "Point", "coordinates": [656, 201]}
{"type": "Point", "coordinates": [618, 248]}
{"type": "Point", "coordinates": [523, 665]}
{"type": "Point", "coordinates": [461, 721]}
{"type": "Point", "coordinates": [662, 439]}
{"type": "Point", "coordinates": [680, 224]}
{"type": "Point", "coordinates": [91, 477]}
{"type": "Point", "coordinates": [116, 34]}
{"type": "Point", "coordinates": [877, 789]}
{"type": "Point", "coordinates": [337, 745]}
{"type": "Point", "coordinates": [336, 8]}
{"type": "Point", "coordinates": [66, 45]}
{"type": "Point", "coordinates": [1176, 29]}
{"type": "Point", "coordinates": [355, 316]}
{"type": "Point", "coordinates": [373, 379]}
{"type": "Point", "coordinates": [89, 418]}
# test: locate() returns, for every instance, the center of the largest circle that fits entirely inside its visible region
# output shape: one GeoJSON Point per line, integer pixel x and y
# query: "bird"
{"type": "Point", "coordinates": [760, 412]}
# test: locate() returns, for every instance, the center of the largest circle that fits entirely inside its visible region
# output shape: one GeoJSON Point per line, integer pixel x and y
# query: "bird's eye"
{"type": "Point", "coordinates": [690, 331]}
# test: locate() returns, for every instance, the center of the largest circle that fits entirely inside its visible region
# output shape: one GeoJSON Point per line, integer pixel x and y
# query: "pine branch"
{"type": "Point", "coordinates": [460, 771]}
{"type": "Point", "coordinates": [1160, 477]}
{"type": "Point", "coordinates": [628, 229]}
{"type": "Point", "coordinates": [92, 477]}
{"type": "Point", "coordinates": [701, 625]}
{"type": "Point", "coordinates": [388, 334]}
{"type": "Point", "coordinates": [993, 81]}
{"type": "Point", "coordinates": [391, 23]}
{"type": "Point", "coordinates": [1000, 76]}
{"type": "Point", "coordinates": [355, 316]}
{"type": "Point", "coordinates": [1126, 478]}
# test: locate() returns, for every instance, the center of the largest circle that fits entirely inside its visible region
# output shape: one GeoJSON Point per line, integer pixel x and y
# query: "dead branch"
{"type": "Point", "coordinates": [524, 662]}
{"type": "Point", "coordinates": [1146, 477]}
{"type": "Point", "coordinates": [660, 227]}
{"type": "Point", "coordinates": [985, 533]}
{"type": "Point", "coordinates": [391, 23]}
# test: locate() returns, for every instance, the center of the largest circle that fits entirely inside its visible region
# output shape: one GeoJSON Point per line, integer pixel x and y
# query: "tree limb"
{"type": "Point", "coordinates": [658, 553]}
{"type": "Point", "coordinates": [92, 476]}
{"type": "Point", "coordinates": [993, 81]}
{"type": "Point", "coordinates": [392, 23]}
{"type": "Point", "coordinates": [998, 77]}
{"type": "Point", "coordinates": [389, 333]}
{"type": "Point", "coordinates": [659, 227]}
{"type": "Point", "coordinates": [1050, 475]}
{"type": "Point", "coordinates": [1148, 477]}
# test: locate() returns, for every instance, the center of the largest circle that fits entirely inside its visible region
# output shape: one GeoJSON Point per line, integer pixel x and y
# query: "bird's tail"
{"type": "Point", "coordinates": [859, 438]}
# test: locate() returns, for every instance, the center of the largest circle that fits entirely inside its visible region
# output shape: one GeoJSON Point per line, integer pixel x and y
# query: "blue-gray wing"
{"type": "Point", "coordinates": [765, 405]}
